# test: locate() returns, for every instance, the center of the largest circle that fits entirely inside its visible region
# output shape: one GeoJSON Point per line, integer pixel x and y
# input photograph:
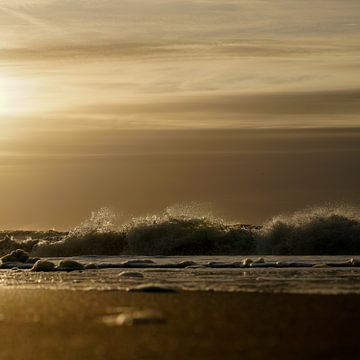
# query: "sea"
{"type": "Point", "coordinates": [302, 274]}
{"type": "Point", "coordinates": [312, 251]}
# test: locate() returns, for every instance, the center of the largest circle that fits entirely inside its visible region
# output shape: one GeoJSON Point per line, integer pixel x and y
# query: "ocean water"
{"type": "Point", "coordinates": [304, 274]}
{"type": "Point", "coordinates": [186, 231]}
{"type": "Point", "coordinates": [184, 250]}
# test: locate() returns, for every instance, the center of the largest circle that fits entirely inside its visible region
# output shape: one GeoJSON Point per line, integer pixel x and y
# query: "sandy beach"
{"type": "Point", "coordinates": [57, 324]}
{"type": "Point", "coordinates": [179, 180]}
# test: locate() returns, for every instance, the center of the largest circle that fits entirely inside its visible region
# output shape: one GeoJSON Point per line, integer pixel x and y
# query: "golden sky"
{"type": "Point", "coordinates": [96, 97]}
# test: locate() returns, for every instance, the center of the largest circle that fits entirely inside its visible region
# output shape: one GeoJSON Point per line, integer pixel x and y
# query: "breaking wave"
{"type": "Point", "coordinates": [184, 231]}
{"type": "Point", "coordinates": [313, 231]}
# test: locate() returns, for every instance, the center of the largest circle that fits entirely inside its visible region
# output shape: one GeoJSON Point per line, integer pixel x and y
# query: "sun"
{"type": "Point", "coordinates": [13, 95]}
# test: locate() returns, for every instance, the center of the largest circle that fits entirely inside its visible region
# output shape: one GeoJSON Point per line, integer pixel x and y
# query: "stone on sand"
{"type": "Point", "coordinates": [151, 288]}
{"type": "Point", "coordinates": [43, 265]}
{"type": "Point", "coordinates": [131, 274]}
{"type": "Point", "coordinates": [246, 262]}
{"type": "Point", "coordinates": [91, 266]}
{"type": "Point", "coordinates": [17, 255]}
{"type": "Point", "coordinates": [32, 260]}
{"type": "Point", "coordinates": [70, 265]}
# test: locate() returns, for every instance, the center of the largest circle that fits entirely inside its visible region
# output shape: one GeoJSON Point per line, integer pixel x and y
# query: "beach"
{"type": "Point", "coordinates": [179, 180]}
{"type": "Point", "coordinates": [61, 324]}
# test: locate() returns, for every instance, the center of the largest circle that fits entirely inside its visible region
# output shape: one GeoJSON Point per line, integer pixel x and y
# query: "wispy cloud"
{"type": "Point", "coordinates": [291, 103]}
{"type": "Point", "coordinates": [166, 50]}
{"type": "Point", "coordinates": [286, 110]}
{"type": "Point", "coordinates": [22, 15]}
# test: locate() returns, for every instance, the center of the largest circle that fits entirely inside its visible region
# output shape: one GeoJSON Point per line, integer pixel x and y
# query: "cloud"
{"type": "Point", "coordinates": [284, 110]}
{"type": "Point", "coordinates": [290, 103]}
{"type": "Point", "coordinates": [174, 50]}
{"type": "Point", "coordinates": [22, 15]}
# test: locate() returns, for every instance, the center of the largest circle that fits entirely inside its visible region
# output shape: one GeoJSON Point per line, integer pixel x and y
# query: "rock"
{"type": "Point", "coordinates": [320, 265]}
{"type": "Point", "coordinates": [225, 265]}
{"type": "Point", "coordinates": [340, 264]}
{"type": "Point", "coordinates": [43, 265]}
{"type": "Point", "coordinates": [151, 288]}
{"type": "Point", "coordinates": [281, 264]}
{"type": "Point", "coordinates": [354, 262]}
{"type": "Point", "coordinates": [32, 260]}
{"type": "Point", "coordinates": [17, 255]}
{"type": "Point", "coordinates": [263, 265]}
{"type": "Point", "coordinates": [246, 262]}
{"type": "Point", "coordinates": [91, 266]}
{"type": "Point", "coordinates": [131, 274]}
{"type": "Point", "coordinates": [19, 265]}
{"type": "Point", "coordinates": [70, 265]}
{"type": "Point", "coordinates": [197, 266]}
{"type": "Point", "coordinates": [187, 263]}
{"type": "Point", "coordinates": [217, 264]}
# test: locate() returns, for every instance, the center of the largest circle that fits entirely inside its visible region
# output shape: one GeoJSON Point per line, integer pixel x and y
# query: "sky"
{"type": "Point", "coordinates": [248, 107]}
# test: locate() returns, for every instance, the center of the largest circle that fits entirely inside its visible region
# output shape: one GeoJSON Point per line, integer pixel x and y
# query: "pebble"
{"type": "Point", "coordinates": [43, 265]}
{"type": "Point", "coordinates": [131, 274]}
{"type": "Point", "coordinates": [151, 288]}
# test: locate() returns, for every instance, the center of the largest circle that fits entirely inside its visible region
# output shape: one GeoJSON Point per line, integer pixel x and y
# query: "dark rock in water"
{"type": "Point", "coordinates": [262, 265]}
{"type": "Point", "coordinates": [320, 265]}
{"type": "Point", "coordinates": [176, 265]}
{"type": "Point", "coordinates": [217, 264]}
{"type": "Point", "coordinates": [339, 264]}
{"type": "Point", "coordinates": [18, 265]}
{"type": "Point", "coordinates": [131, 274]}
{"type": "Point", "coordinates": [354, 262]}
{"type": "Point", "coordinates": [91, 266]}
{"type": "Point", "coordinates": [152, 288]}
{"type": "Point", "coordinates": [138, 263]}
{"type": "Point", "coordinates": [32, 260]}
{"type": "Point", "coordinates": [17, 255]}
{"type": "Point", "coordinates": [246, 263]}
{"type": "Point", "coordinates": [43, 265]}
{"type": "Point", "coordinates": [185, 264]}
{"type": "Point", "coordinates": [107, 265]}
{"type": "Point", "coordinates": [69, 265]}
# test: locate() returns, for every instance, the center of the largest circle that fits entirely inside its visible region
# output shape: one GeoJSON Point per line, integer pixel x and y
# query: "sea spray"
{"type": "Point", "coordinates": [328, 230]}
{"type": "Point", "coordinates": [170, 234]}
{"type": "Point", "coordinates": [180, 231]}
{"type": "Point", "coordinates": [97, 235]}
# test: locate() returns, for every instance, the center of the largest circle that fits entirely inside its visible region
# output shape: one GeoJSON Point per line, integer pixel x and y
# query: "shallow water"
{"type": "Point", "coordinates": [207, 273]}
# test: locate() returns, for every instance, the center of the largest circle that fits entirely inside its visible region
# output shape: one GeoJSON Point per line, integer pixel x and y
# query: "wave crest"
{"type": "Point", "coordinates": [185, 235]}
{"type": "Point", "coordinates": [313, 231]}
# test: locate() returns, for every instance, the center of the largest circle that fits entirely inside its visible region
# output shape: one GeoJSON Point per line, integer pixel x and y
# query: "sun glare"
{"type": "Point", "coordinates": [13, 94]}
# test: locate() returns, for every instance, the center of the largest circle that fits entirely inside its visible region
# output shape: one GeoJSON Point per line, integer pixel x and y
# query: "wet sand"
{"type": "Point", "coordinates": [57, 324]}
